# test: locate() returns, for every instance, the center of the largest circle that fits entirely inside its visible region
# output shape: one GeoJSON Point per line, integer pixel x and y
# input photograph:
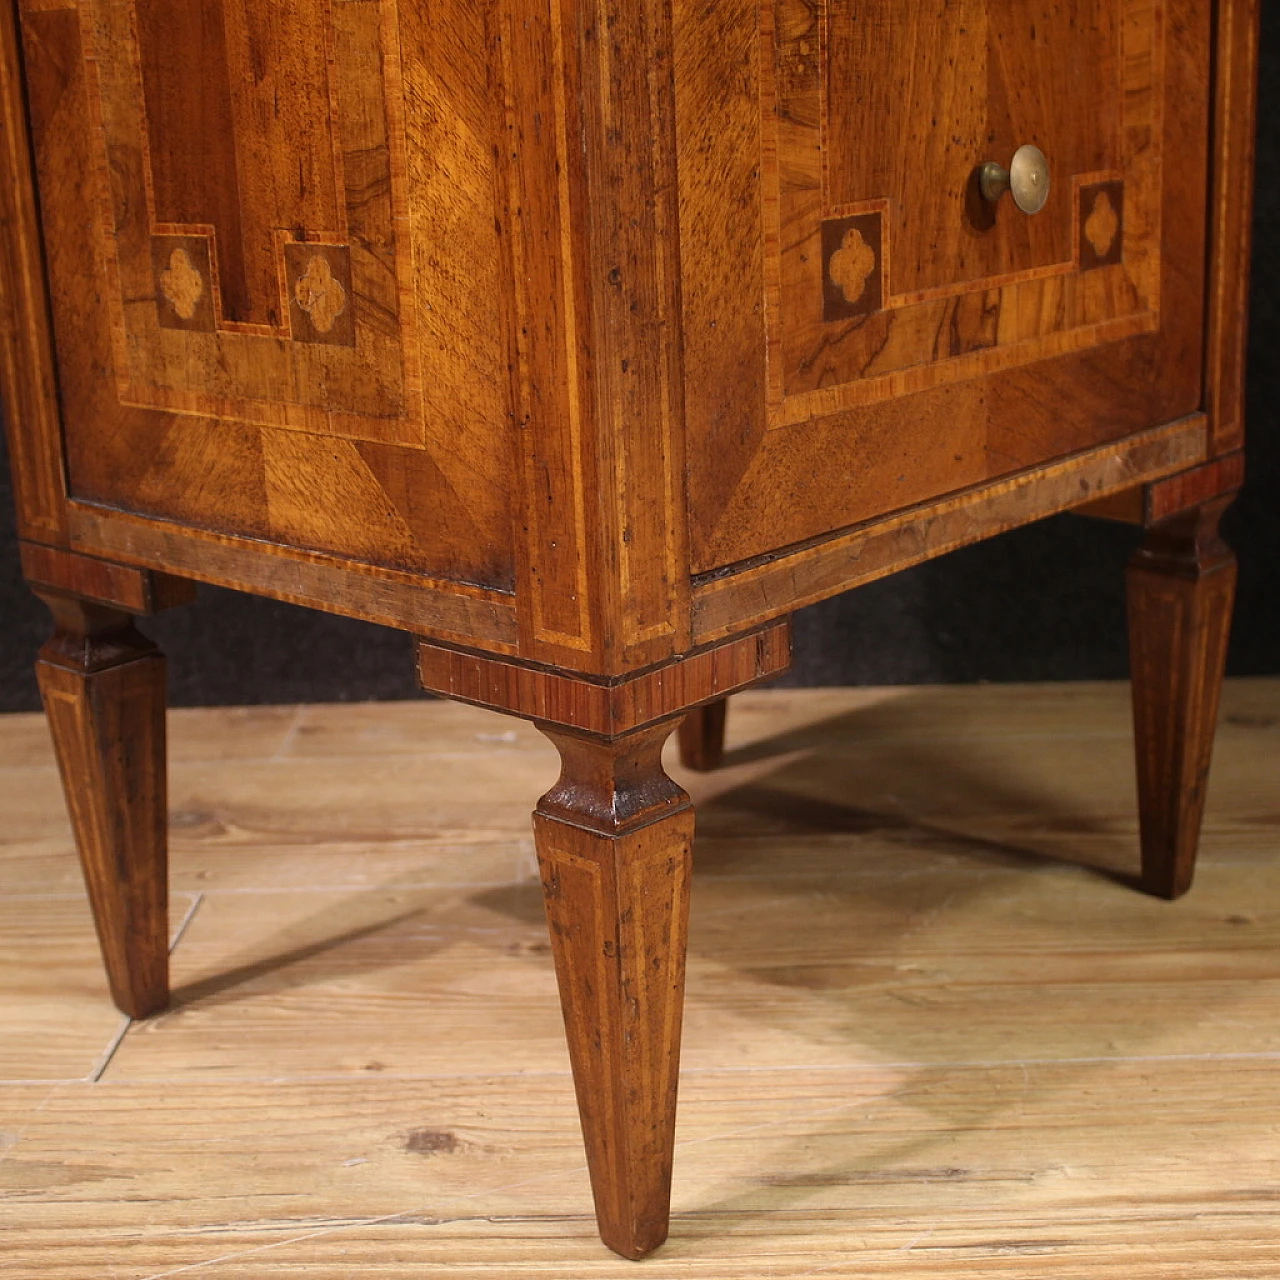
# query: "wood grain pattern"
{"type": "Point", "coordinates": [1033, 1149]}
{"type": "Point", "coordinates": [1150, 504]}
{"type": "Point", "coordinates": [549, 298]}
{"type": "Point", "coordinates": [778, 584]}
{"type": "Point", "coordinates": [103, 686]}
{"type": "Point", "coordinates": [103, 581]}
{"type": "Point", "coordinates": [27, 377]}
{"type": "Point", "coordinates": [586, 341]}
{"type": "Point", "coordinates": [966, 289]}
{"type": "Point", "coordinates": [186, 81]}
{"type": "Point", "coordinates": [634, 228]}
{"type": "Point", "coordinates": [702, 736]}
{"type": "Point", "coordinates": [888, 431]}
{"type": "Point", "coordinates": [594, 257]}
{"type": "Point", "coordinates": [1181, 590]}
{"type": "Point", "coordinates": [721, 129]}
{"type": "Point", "coordinates": [217, 420]}
{"type": "Point", "coordinates": [334, 935]}
{"type": "Point", "coordinates": [606, 707]}
{"type": "Point", "coordinates": [58, 1016]}
{"type": "Point", "coordinates": [431, 607]}
{"type": "Point", "coordinates": [240, 133]}
{"type": "Point", "coordinates": [507, 317]}
{"type": "Point", "coordinates": [997, 82]}
{"type": "Point", "coordinates": [614, 839]}
{"type": "Point", "coordinates": [1235, 89]}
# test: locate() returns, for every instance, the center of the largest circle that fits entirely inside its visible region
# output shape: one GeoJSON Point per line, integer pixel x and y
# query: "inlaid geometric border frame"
{"type": "Point", "coordinates": [1047, 311]}
{"type": "Point", "coordinates": [385, 408]}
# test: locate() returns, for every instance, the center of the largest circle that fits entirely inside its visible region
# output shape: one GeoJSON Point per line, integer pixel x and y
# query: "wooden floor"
{"type": "Point", "coordinates": [930, 1030]}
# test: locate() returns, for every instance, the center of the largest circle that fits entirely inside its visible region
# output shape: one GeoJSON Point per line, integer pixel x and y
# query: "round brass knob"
{"type": "Point", "coordinates": [1027, 178]}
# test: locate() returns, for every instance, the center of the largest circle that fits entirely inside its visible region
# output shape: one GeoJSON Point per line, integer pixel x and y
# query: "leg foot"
{"type": "Point", "coordinates": [614, 838]}
{"type": "Point", "coordinates": [103, 686]}
{"type": "Point", "coordinates": [1181, 589]}
{"type": "Point", "coordinates": [702, 736]}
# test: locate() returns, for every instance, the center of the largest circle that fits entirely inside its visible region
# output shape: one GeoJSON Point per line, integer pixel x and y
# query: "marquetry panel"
{"type": "Point", "coordinates": [263, 222]}
{"type": "Point", "coordinates": [245, 139]}
{"type": "Point", "coordinates": [864, 332]}
{"type": "Point", "coordinates": [888, 272]}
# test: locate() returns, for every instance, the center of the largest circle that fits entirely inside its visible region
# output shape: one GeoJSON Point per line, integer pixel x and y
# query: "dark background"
{"type": "Point", "coordinates": [1042, 603]}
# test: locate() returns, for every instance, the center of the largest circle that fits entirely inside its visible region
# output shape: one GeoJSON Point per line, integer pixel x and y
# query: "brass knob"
{"type": "Point", "coordinates": [1027, 177]}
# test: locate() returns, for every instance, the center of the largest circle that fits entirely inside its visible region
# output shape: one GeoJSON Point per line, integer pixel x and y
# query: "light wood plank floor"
{"type": "Point", "coordinates": [929, 1032]}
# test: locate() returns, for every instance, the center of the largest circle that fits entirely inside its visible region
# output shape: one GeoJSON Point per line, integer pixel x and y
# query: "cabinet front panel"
{"type": "Point", "coordinates": [864, 330]}
{"type": "Point", "coordinates": [265, 222]}
{"type": "Point", "coordinates": [902, 128]}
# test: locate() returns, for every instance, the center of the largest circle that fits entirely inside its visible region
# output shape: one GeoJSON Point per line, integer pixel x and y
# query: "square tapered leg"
{"type": "Point", "coordinates": [1181, 589]}
{"type": "Point", "coordinates": [103, 685]}
{"type": "Point", "coordinates": [614, 841]}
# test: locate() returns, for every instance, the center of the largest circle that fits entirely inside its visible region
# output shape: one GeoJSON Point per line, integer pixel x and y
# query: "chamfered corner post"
{"type": "Point", "coordinates": [701, 736]}
{"type": "Point", "coordinates": [614, 839]}
{"type": "Point", "coordinates": [103, 686]}
{"type": "Point", "coordinates": [1181, 589]}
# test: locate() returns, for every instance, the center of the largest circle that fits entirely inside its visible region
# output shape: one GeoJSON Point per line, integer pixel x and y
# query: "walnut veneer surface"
{"type": "Point", "coordinates": [586, 342]}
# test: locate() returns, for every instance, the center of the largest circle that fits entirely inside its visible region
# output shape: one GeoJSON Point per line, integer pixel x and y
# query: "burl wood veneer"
{"type": "Point", "coordinates": [586, 342]}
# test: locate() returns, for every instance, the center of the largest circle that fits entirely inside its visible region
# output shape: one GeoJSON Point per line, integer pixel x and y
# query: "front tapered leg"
{"type": "Point", "coordinates": [103, 686]}
{"type": "Point", "coordinates": [614, 838]}
{"type": "Point", "coordinates": [1181, 590]}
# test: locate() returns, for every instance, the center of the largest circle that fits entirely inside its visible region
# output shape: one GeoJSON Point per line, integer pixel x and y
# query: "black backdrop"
{"type": "Point", "coordinates": [1041, 603]}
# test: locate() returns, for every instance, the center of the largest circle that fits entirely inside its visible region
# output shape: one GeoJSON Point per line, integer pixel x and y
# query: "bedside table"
{"type": "Point", "coordinates": [587, 342]}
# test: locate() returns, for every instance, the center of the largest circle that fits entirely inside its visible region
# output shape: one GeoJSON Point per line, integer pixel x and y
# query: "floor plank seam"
{"type": "Point", "coordinates": [399, 886]}
{"type": "Point", "coordinates": [688, 1072]}
{"type": "Point", "coordinates": [290, 735]}
{"type": "Point", "coordinates": [357, 1224]}
{"type": "Point", "coordinates": [781, 1123]}
{"type": "Point", "coordinates": [45, 897]}
{"type": "Point", "coordinates": [57, 1087]}
{"type": "Point", "coordinates": [110, 1051]}
{"type": "Point", "coordinates": [95, 1076]}
{"type": "Point", "coordinates": [185, 923]}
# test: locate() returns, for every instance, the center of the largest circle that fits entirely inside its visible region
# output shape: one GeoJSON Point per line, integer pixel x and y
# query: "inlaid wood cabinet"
{"type": "Point", "coordinates": [586, 341]}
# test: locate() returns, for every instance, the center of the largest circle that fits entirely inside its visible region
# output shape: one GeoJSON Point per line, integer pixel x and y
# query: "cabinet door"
{"type": "Point", "coordinates": [275, 276]}
{"type": "Point", "coordinates": [863, 330]}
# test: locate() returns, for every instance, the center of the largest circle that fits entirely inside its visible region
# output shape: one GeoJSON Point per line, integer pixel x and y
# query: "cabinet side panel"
{"type": "Point", "coordinates": [26, 357]}
{"type": "Point", "coordinates": [274, 257]}
{"type": "Point", "coordinates": [1231, 218]}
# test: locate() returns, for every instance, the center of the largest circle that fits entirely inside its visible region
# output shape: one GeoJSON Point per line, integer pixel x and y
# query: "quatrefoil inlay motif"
{"type": "Point", "coordinates": [319, 293]}
{"type": "Point", "coordinates": [181, 284]}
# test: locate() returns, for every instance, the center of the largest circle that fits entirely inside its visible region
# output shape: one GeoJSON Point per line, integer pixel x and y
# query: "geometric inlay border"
{"type": "Point", "coordinates": [826, 354]}
{"type": "Point", "coordinates": [335, 349]}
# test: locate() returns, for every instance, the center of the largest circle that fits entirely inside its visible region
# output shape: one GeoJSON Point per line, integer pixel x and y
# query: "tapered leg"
{"type": "Point", "coordinates": [103, 686]}
{"type": "Point", "coordinates": [1181, 590]}
{"type": "Point", "coordinates": [702, 736]}
{"type": "Point", "coordinates": [614, 837]}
